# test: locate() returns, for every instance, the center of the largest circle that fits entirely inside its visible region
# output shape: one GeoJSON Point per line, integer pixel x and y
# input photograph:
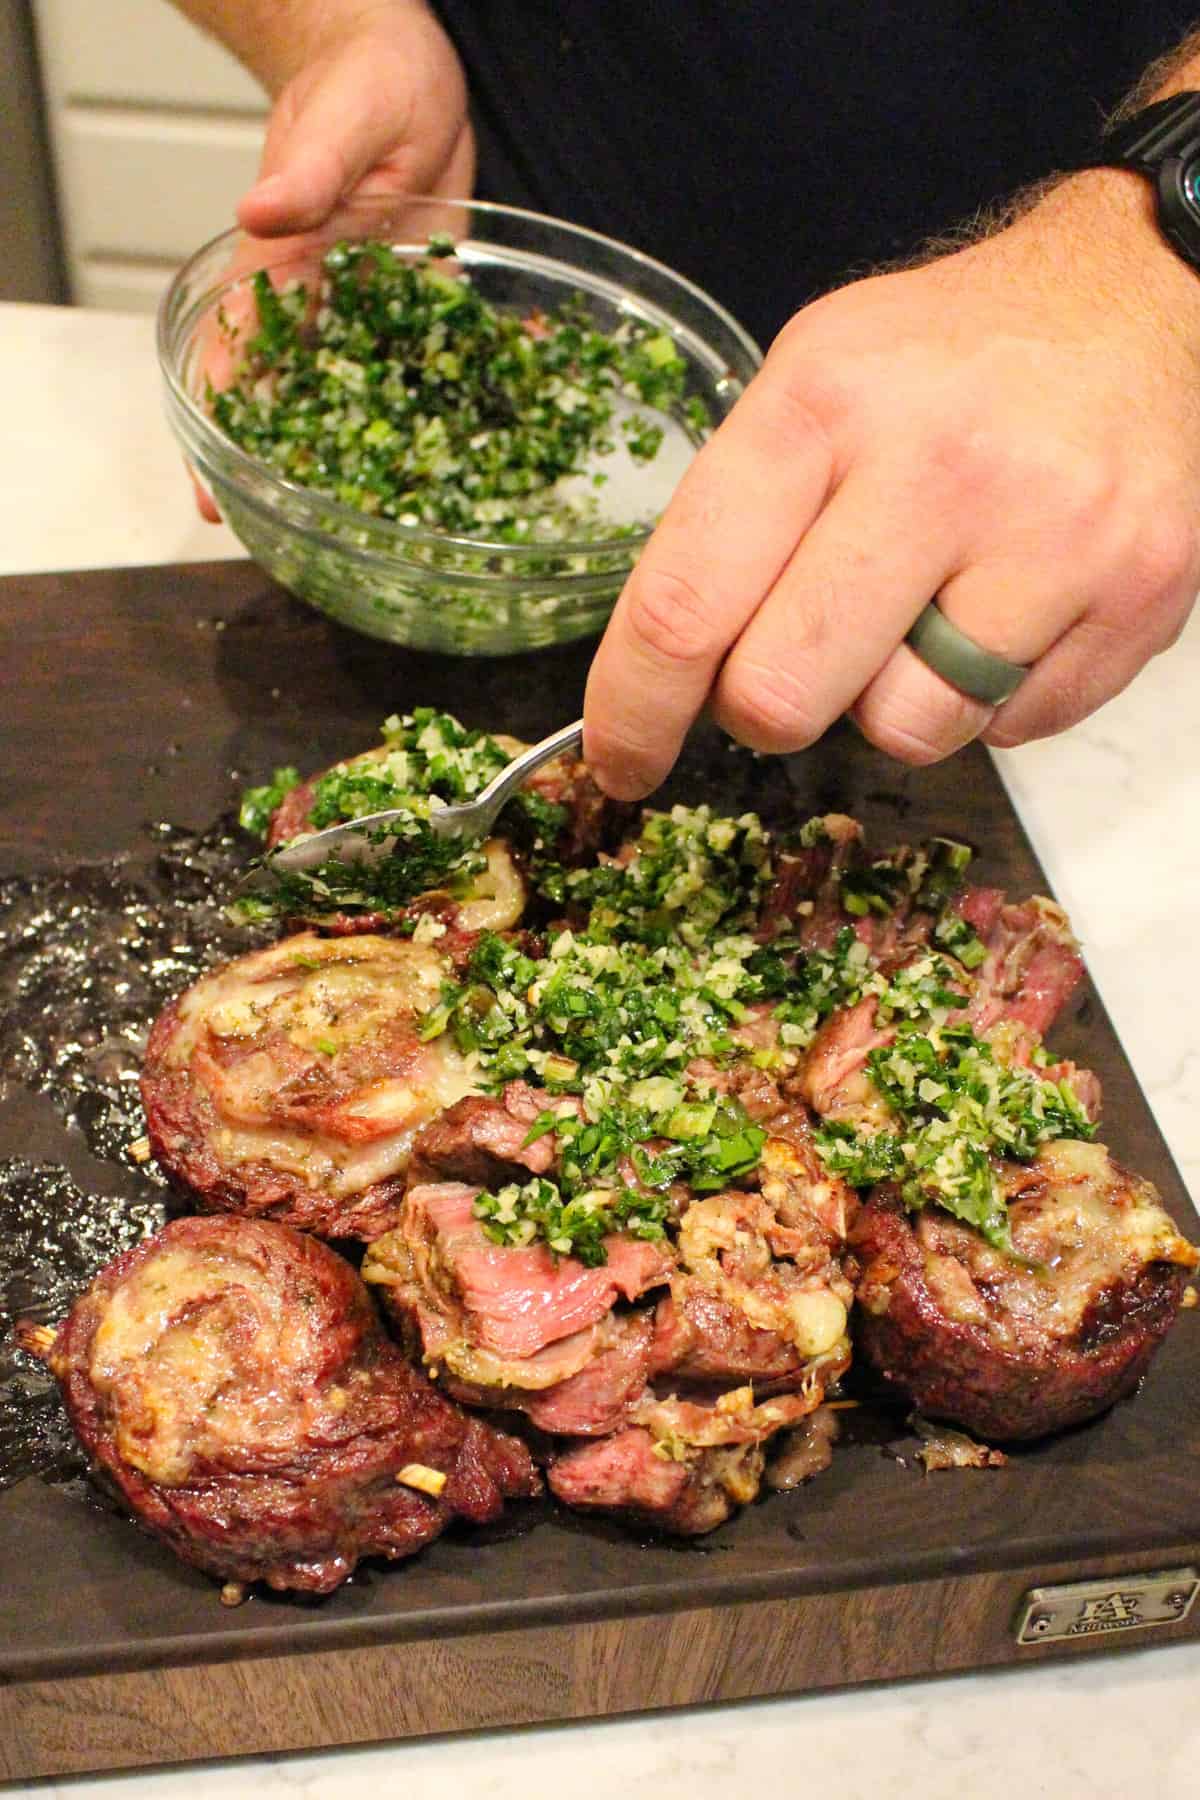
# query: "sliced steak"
{"type": "Point", "coordinates": [833, 1076]}
{"type": "Point", "coordinates": [1015, 1347]}
{"type": "Point", "coordinates": [682, 1467]}
{"type": "Point", "coordinates": [514, 1301]}
{"type": "Point", "coordinates": [804, 899]}
{"type": "Point", "coordinates": [624, 1474]}
{"type": "Point", "coordinates": [594, 1399]}
{"type": "Point", "coordinates": [228, 1379]}
{"type": "Point", "coordinates": [1033, 964]}
{"type": "Point", "coordinates": [699, 1336]}
{"type": "Point", "coordinates": [891, 902]}
{"type": "Point", "coordinates": [1034, 981]}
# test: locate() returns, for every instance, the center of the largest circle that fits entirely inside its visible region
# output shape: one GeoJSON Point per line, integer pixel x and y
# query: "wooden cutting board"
{"type": "Point", "coordinates": [135, 695]}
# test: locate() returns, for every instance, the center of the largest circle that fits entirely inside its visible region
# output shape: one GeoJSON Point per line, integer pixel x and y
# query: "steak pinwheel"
{"type": "Point", "coordinates": [230, 1382]}
{"type": "Point", "coordinates": [428, 759]}
{"type": "Point", "coordinates": [1015, 1344]}
{"type": "Point", "coordinates": [290, 1083]}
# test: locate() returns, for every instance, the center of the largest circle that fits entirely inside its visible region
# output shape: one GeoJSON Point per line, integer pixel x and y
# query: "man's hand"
{"type": "Point", "coordinates": [1014, 428]}
{"type": "Point", "coordinates": [369, 95]}
{"type": "Point", "coordinates": [370, 98]}
{"type": "Point", "coordinates": [380, 107]}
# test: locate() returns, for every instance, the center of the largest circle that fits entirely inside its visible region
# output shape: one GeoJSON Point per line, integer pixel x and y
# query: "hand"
{"type": "Point", "coordinates": [1013, 428]}
{"type": "Point", "coordinates": [377, 105]}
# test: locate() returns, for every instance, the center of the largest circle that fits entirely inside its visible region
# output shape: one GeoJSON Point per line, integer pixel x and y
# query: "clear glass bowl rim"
{"type": "Point", "coordinates": [326, 513]}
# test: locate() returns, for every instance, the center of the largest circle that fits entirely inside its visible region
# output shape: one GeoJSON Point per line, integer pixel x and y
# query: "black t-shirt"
{"type": "Point", "coordinates": [771, 150]}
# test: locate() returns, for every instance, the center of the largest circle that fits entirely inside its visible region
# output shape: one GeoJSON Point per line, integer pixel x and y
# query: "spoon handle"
{"type": "Point", "coordinates": [491, 799]}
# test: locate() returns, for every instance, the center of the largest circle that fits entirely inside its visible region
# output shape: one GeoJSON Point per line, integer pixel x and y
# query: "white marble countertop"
{"type": "Point", "coordinates": [89, 477]}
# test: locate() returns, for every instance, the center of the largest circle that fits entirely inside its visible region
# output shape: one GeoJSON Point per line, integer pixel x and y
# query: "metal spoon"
{"type": "Point", "coordinates": [367, 840]}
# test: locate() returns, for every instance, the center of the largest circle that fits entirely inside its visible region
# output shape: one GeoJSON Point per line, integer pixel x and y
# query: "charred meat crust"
{"type": "Point", "coordinates": [289, 1473]}
{"type": "Point", "coordinates": [481, 1141]}
{"type": "Point", "coordinates": [997, 1376]}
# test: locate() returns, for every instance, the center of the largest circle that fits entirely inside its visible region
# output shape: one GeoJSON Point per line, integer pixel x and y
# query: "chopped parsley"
{"type": "Point", "coordinates": [689, 872]}
{"type": "Point", "coordinates": [420, 862]}
{"type": "Point", "coordinates": [258, 803]}
{"type": "Point", "coordinates": [521, 1215]}
{"type": "Point", "coordinates": [814, 985]}
{"type": "Point", "coordinates": [956, 1104]}
{"type": "Point", "coordinates": [875, 889]}
{"type": "Point", "coordinates": [397, 389]}
{"type": "Point", "coordinates": [428, 758]}
{"type": "Point", "coordinates": [953, 933]}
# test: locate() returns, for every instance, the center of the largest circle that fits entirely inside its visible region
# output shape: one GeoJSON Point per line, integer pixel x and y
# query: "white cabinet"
{"type": "Point", "coordinates": [156, 133]}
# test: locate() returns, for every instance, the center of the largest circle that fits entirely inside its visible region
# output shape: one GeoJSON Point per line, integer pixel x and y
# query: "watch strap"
{"type": "Point", "coordinates": [1162, 142]}
{"type": "Point", "coordinates": [1169, 128]}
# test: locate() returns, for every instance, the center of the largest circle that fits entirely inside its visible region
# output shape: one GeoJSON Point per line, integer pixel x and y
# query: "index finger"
{"type": "Point", "coordinates": [730, 528]}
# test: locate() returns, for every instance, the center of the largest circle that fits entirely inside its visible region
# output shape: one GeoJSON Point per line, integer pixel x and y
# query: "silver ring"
{"type": "Point", "coordinates": [962, 662]}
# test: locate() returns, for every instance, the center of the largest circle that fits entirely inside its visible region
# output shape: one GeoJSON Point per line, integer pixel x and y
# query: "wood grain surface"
{"type": "Point", "coordinates": [141, 695]}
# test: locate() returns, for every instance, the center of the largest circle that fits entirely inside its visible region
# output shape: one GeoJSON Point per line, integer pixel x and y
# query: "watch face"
{"type": "Point", "coordinates": [1178, 186]}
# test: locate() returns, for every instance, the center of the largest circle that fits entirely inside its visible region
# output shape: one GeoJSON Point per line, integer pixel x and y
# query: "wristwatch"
{"type": "Point", "coordinates": [1163, 142]}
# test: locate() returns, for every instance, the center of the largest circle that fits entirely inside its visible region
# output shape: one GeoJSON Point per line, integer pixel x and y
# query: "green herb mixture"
{"type": "Point", "coordinates": [653, 962]}
{"type": "Point", "coordinates": [397, 389]}
{"type": "Point", "coordinates": [429, 759]}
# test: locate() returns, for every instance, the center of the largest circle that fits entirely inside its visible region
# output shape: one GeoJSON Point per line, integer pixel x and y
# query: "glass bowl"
{"type": "Point", "coordinates": [410, 584]}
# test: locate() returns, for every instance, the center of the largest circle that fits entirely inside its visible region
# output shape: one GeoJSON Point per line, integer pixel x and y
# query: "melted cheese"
{"type": "Point", "coordinates": [496, 898]}
{"type": "Point", "coordinates": [319, 992]}
{"type": "Point", "coordinates": [161, 1357]}
{"type": "Point", "coordinates": [326, 1161]}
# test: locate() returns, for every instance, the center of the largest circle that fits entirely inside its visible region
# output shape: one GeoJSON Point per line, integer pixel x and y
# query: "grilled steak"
{"type": "Point", "coordinates": [703, 1005]}
{"type": "Point", "coordinates": [1032, 966]}
{"type": "Point", "coordinates": [481, 1141]}
{"type": "Point", "coordinates": [1024, 981]}
{"type": "Point", "coordinates": [591, 1401]}
{"type": "Point", "coordinates": [805, 896]}
{"type": "Point", "coordinates": [1016, 1347]}
{"type": "Point", "coordinates": [291, 1082]}
{"type": "Point", "coordinates": [229, 1380]}
{"type": "Point", "coordinates": [682, 1466]}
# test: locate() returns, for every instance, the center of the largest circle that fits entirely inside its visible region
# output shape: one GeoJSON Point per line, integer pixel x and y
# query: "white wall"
{"type": "Point", "coordinates": [155, 133]}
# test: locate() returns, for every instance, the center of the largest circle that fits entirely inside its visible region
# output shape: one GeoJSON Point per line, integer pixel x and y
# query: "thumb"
{"type": "Point", "coordinates": [331, 126]}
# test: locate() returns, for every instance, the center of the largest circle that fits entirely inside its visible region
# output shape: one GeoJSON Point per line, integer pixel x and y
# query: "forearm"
{"type": "Point", "coordinates": [1170, 74]}
{"type": "Point", "coordinates": [274, 39]}
{"type": "Point", "coordinates": [1105, 220]}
